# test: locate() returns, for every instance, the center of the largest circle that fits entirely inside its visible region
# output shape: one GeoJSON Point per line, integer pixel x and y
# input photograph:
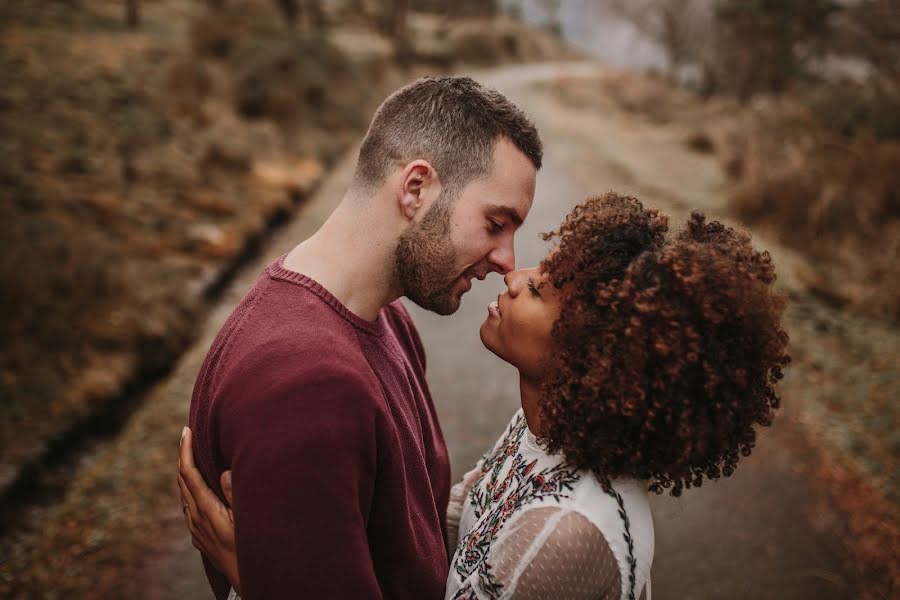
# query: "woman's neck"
{"type": "Point", "coordinates": [530, 392]}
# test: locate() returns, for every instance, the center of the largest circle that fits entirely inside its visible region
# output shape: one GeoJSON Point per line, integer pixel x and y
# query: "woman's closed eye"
{"type": "Point", "coordinates": [533, 288]}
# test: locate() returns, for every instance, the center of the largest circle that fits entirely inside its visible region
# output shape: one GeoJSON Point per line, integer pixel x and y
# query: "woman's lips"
{"type": "Point", "coordinates": [494, 308]}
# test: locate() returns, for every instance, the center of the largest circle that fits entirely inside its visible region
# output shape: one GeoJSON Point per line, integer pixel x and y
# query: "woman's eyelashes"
{"type": "Point", "coordinates": [533, 288]}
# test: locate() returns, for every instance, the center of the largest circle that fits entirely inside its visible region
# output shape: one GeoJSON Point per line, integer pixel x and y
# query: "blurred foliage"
{"type": "Point", "coordinates": [762, 45]}
{"type": "Point", "coordinates": [823, 164]}
{"type": "Point", "coordinates": [130, 181]}
{"type": "Point", "coordinates": [817, 157]}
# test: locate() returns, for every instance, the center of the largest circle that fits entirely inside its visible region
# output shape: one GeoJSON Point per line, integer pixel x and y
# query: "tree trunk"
{"type": "Point", "coordinates": [132, 14]}
{"type": "Point", "coordinates": [289, 10]}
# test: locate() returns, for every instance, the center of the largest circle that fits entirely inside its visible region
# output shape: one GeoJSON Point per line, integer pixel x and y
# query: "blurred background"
{"type": "Point", "coordinates": [157, 153]}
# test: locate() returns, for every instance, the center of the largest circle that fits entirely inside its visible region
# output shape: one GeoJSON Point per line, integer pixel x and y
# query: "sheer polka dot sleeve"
{"type": "Point", "coordinates": [455, 506]}
{"type": "Point", "coordinates": [551, 552]}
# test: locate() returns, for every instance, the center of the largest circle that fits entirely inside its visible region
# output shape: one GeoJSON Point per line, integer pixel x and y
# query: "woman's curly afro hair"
{"type": "Point", "coordinates": [666, 350]}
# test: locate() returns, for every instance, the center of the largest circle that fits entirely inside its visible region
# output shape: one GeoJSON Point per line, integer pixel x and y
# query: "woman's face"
{"type": "Point", "coordinates": [519, 322]}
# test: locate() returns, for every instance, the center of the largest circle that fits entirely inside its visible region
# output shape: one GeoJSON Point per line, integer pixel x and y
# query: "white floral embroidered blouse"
{"type": "Point", "coordinates": [523, 525]}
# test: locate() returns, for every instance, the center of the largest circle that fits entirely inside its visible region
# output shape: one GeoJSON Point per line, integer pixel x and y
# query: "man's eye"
{"type": "Point", "coordinates": [496, 226]}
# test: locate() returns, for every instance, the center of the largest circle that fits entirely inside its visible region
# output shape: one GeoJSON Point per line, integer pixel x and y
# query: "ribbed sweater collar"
{"type": "Point", "coordinates": [277, 271]}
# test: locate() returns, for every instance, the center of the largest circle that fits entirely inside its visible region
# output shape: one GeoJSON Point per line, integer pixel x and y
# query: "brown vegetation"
{"type": "Point", "coordinates": [822, 164]}
{"type": "Point", "coordinates": [835, 197]}
{"type": "Point", "coordinates": [872, 530]}
{"type": "Point", "coordinates": [813, 141]}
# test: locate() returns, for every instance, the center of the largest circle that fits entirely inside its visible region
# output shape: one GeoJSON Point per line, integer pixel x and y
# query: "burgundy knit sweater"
{"type": "Point", "coordinates": [341, 476]}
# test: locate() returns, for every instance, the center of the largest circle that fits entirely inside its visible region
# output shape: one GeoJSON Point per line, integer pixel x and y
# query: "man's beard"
{"type": "Point", "coordinates": [425, 262]}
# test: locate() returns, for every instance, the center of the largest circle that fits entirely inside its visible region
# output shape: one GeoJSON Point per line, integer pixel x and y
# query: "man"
{"type": "Point", "coordinates": [314, 391]}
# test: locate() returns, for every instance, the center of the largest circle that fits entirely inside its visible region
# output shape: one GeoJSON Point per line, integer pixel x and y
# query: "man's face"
{"type": "Point", "coordinates": [470, 237]}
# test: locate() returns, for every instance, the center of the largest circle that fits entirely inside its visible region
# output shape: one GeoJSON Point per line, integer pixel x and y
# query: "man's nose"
{"type": "Point", "coordinates": [503, 258]}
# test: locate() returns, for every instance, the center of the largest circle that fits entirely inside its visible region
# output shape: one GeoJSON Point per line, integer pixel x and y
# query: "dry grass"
{"type": "Point", "coordinates": [871, 529]}
{"type": "Point", "coordinates": [130, 180]}
{"type": "Point", "coordinates": [834, 195]}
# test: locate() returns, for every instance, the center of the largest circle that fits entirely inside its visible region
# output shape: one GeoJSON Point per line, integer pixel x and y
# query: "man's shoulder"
{"type": "Point", "coordinates": [299, 324]}
{"type": "Point", "coordinates": [292, 311]}
{"type": "Point", "coordinates": [301, 378]}
{"type": "Point", "coordinates": [284, 348]}
{"type": "Point", "coordinates": [312, 354]}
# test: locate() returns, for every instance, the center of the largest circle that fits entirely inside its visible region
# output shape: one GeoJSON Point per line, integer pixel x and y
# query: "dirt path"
{"type": "Point", "coordinates": [768, 532]}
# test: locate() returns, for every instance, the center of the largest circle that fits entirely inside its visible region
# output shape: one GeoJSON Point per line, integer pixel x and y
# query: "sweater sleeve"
{"type": "Point", "coordinates": [303, 454]}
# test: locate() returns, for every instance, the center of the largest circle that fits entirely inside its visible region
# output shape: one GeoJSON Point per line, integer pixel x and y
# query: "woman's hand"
{"type": "Point", "coordinates": [210, 522]}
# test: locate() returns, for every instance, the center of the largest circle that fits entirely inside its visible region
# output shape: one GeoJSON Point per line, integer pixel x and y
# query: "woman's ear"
{"type": "Point", "coordinates": [416, 187]}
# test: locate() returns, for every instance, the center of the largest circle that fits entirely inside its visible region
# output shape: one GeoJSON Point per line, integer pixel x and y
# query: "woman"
{"type": "Point", "coordinates": [645, 363]}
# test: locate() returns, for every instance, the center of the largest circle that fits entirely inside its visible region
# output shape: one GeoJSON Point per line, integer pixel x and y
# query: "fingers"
{"type": "Point", "coordinates": [205, 516]}
{"type": "Point", "coordinates": [188, 506]}
{"type": "Point", "coordinates": [225, 482]}
{"type": "Point", "coordinates": [188, 503]}
{"type": "Point", "coordinates": [186, 454]}
{"type": "Point", "coordinates": [185, 458]}
{"type": "Point", "coordinates": [190, 475]}
{"type": "Point", "coordinates": [204, 499]}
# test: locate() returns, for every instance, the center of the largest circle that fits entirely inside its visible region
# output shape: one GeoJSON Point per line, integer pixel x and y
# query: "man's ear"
{"type": "Point", "coordinates": [418, 185]}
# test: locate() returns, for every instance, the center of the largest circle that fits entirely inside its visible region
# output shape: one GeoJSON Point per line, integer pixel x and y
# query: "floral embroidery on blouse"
{"type": "Point", "coordinates": [465, 593]}
{"type": "Point", "coordinates": [494, 501]}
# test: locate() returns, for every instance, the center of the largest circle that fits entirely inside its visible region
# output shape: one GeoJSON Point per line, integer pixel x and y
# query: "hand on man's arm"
{"type": "Point", "coordinates": [210, 522]}
{"type": "Point", "coordinates": [458, 496]}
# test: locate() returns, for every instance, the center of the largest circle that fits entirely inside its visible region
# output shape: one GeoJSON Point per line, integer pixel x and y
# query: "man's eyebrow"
{"type": "Point", "coordinates": [507, 211]}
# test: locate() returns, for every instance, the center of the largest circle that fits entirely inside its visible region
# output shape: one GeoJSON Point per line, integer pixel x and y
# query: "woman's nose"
{"type": "Point", "coordinates": [512, 280]}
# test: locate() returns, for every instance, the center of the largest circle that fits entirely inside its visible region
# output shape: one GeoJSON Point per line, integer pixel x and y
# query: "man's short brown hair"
{"type": "Point", "coordinates": [452, 122]}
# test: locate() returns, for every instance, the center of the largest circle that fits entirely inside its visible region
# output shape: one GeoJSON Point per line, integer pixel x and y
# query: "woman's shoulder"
{"type": "Point", "coordinates": [606, 505]}
{"type": "Point", "coordinates": [565, 532]}
{"type": "Point", "coordinates": [552, 538]}
{"type": "Point", "coordinates": [621, 512]}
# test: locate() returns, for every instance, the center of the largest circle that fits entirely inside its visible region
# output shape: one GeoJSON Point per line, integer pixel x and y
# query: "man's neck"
{"type": "Point", "coordinates": [351, 256]}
